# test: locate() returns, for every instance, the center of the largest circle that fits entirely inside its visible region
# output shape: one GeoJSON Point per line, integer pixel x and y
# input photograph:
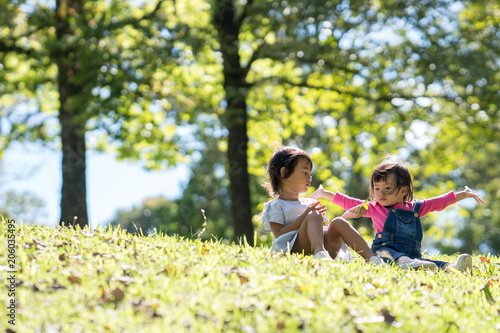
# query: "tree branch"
{"type": "Point", "coordinates": [244, 15]}
{"type": "Point", "coordinates": [134, 21]}
{"type": "Point", "coordinates": [11, 47]}
{"type": "Point", "coordinates": [255, 56]}
{"type": "Point", "coordinates": [340, 90]}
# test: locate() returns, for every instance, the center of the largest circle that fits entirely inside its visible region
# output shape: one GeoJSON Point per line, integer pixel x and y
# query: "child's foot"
{"type": "Point", "coordinates": [464, 262]}
{"type": "Point", "coordinates": [375, 260]}
{"type": "Point", "coordinates": [323, 256]}
{"type": "Point", "coordinates": [407, 263]}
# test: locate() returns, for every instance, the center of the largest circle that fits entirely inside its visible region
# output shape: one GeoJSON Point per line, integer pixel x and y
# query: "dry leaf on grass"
{"type": "Point", "coordinates": [74, 279]}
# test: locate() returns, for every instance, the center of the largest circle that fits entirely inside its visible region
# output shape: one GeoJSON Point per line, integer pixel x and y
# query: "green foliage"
{"type": "Point", "coordinates": [322, 80]}
{"type": "Point", "coordinates": [350, 82]}
{"type": "Point", "coordinates": [352, 98]}
{"type": "Point", "coordinates": [113, 52]}
{"type": "Point", "coordinates": [110, 280]}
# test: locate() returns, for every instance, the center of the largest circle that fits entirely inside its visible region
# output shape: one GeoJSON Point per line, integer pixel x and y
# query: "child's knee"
{"type": "Point", "coordinates": [314, 217]}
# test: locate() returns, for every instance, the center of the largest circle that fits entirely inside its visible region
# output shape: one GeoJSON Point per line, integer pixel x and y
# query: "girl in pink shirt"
{"type": "Point", "coordinates": [396, 217]}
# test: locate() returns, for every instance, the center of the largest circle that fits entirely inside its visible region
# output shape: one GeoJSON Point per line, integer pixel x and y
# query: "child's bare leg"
{"type": "Point", "coordinates": [340, 229]}
{"type": "Point", "coordinates": [310, 238]}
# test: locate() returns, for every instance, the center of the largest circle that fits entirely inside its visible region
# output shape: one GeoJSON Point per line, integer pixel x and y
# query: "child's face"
{"type": "Point", "coordinates": [384, 192]}
{"type": "Point", "coordinates": [300, 179]}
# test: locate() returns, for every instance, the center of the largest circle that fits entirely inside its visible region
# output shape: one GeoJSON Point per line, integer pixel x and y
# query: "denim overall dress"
{"type": "Point", "coordinates": [402, 235]}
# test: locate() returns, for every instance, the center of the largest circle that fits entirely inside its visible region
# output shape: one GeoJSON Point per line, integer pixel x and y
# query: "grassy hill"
{"type": "Point", "coordinates": [71, 280]}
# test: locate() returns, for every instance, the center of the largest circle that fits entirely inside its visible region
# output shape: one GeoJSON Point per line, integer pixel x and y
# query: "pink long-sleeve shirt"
{"type": "Point", "coordinates": [378, 213]}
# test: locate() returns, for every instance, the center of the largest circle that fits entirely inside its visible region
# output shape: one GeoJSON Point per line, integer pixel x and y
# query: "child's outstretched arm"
{"type": "Point", "coordinates": [468, 193]}
{"type": "Point", "coordinates": [321, 193]}
{"type": "Point", "coordinates": [354, 207]}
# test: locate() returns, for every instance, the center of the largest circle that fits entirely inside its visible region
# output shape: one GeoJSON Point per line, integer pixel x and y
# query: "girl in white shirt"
{"type": "Point", "coordinates": [298, 224]}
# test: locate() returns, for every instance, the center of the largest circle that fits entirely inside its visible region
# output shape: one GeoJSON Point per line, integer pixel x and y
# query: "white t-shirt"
{"type": "Point", "coordinates": [283, 211]}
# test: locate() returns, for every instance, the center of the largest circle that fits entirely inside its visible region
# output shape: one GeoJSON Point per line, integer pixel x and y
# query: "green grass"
{"type": "Point", "coordinates": [110, 281]}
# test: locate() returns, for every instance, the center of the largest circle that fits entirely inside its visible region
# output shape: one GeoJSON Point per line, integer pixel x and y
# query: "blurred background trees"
{"type": "Point", "coordinates": [218, 84]}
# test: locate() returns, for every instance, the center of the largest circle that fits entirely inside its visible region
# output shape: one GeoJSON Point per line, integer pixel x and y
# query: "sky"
{"type": "Point", "coordinates": [111, 184]}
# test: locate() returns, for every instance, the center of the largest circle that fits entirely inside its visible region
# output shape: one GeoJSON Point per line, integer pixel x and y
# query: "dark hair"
{"type": "Point", "coordinates": [402, 177]}
{"type": "Point", "coordinates": [283, 157]}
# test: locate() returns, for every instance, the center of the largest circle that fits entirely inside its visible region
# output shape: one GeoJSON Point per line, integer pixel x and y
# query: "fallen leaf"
{"type": "Point", "coordinates": [388, 317]}
{"type": "Point", "coordinates": [74, 279]}
{"type": "Point", "coordinates": [490, 281]}
{"type": "Point", "coordinates": [118, 294]}
{"type": "Point", "coordinates": [243, 279]}
{"type": "Point", "coordinates": [427, 286]}
{"type": "Point", "coordinates": [102, 291]}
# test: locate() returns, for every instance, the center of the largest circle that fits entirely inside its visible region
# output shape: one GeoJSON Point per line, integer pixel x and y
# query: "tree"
{"type": "Point", "coordinates": [86, 63]}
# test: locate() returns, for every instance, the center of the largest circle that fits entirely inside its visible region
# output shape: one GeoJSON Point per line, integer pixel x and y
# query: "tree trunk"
{"type": "Point", "coordinates": [236, 123]}
{"type": "Point", "coordinates": [356, 188]}
{"type": "Point", "coordinates": [74, 189]}
{"type": "Point", "coordinates": [235, 119]}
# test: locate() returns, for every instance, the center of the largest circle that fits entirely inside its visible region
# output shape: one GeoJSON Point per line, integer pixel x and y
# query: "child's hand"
{"type": "Point", "coordinates": [318, 194]}
{"type": "Point", "coordinates": [471, 194]}
{"type": "Point", "coordinates": [362, 209]}
{"type": "Point", "coordinates": [356, 212]}
{"type": "Point", "coordinates": [350, 215]}
{"type": "Point", "coordinates": [314, 206]}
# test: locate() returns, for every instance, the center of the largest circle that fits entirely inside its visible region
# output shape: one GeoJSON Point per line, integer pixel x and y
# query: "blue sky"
{"type": "Point", "coordinates": [111, 185]}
